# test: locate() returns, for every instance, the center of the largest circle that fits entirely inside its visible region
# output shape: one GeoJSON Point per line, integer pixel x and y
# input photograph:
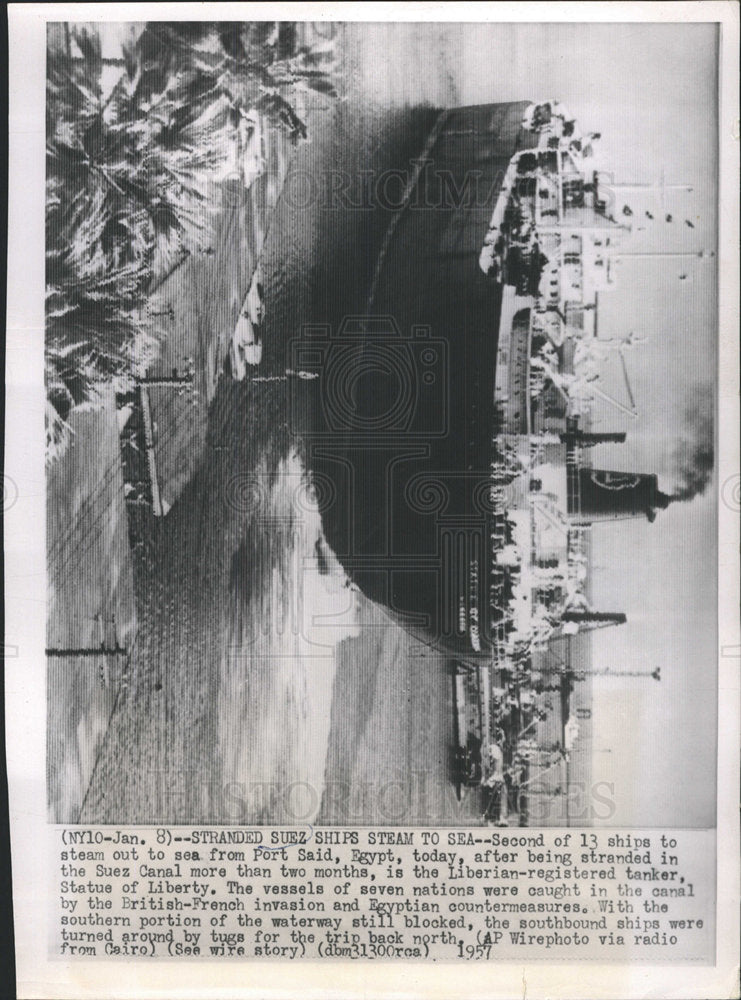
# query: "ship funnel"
{"type": "Point", "coordinates": [604, 495]}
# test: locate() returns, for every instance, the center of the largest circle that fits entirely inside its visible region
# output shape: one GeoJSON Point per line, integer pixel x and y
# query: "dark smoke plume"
{"type": "Point", "coordinates": [694, 453]}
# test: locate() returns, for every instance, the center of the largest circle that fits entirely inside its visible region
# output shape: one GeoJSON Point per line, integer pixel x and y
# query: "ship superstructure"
{"type": "Point", "coordinates": [456, 427]}
{"type": "Point", "coordinates": [550, 245]}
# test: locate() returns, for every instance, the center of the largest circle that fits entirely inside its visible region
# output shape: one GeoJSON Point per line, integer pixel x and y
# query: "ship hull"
{"type": "Point", "coordinates": [409, 397]}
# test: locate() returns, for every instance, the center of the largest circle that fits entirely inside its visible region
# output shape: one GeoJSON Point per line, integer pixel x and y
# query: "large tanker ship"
{"type": "Point", "coordinates": [456, 431]}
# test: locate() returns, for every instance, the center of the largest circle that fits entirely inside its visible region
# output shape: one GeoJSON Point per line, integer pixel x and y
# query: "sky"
{"type": "Point", "coordinates": [650, 90]}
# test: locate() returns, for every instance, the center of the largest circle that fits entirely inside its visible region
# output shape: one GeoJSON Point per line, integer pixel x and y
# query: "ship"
{"type": "Point", "coordinates": [451, 408]}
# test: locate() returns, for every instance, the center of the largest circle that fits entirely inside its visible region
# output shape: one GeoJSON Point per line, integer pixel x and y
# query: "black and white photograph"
{"type": "Point", "coordinates": [371, 500]}
{"type": "Point", "coordinates": [380, 378]}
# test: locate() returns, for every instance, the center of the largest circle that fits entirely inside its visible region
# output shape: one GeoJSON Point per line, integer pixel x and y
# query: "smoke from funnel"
{"type": "Point", "coordinates": [694, 454]}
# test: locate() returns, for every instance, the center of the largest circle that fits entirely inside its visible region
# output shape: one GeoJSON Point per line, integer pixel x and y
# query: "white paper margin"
{"type": "Point", "coordinates": [25, 556]}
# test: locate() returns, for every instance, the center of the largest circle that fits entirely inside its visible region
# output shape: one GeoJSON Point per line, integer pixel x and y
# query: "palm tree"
{"type": "Point", "coordinates": [131, 175]}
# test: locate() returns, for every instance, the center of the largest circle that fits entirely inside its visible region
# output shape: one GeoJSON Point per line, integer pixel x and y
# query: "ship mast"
{"type": "Point", "coordinates": [609, 672]}
{"type": "Point", "coordinates": [662, 254]}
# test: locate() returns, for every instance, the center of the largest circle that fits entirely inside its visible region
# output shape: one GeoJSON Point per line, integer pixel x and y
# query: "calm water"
{"type": "Point", "coordinates": [229, 704]}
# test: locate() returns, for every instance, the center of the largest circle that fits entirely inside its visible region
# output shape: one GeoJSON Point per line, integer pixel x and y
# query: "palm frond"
{"type": "Point", "coordinates": [132, 177]}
